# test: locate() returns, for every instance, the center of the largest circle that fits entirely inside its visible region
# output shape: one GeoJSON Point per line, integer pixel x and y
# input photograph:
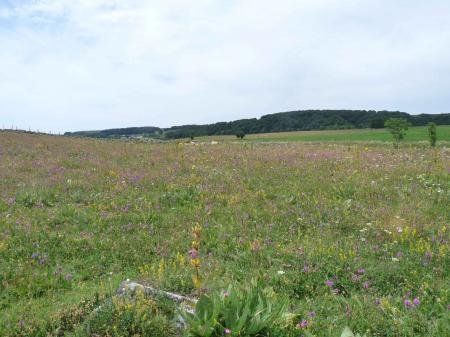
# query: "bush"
{"type": "Point", "coordinates": [240, 135]}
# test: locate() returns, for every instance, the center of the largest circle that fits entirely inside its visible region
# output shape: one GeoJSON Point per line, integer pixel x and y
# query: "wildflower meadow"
{"type": "Point", "coordinates": [273, 239]}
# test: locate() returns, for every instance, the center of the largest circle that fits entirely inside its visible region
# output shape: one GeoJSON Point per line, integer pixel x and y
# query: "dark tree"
{"type": "Point", "coordinates": [377, 123]}
{"type": "Point", "coordinates": [240, 135]}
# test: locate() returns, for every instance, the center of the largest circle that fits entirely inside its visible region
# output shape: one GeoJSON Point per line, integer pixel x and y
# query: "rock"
{"type": "Point", "coordinates": [131, 288]}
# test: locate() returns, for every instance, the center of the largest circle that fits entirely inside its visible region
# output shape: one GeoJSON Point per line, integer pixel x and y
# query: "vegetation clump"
{"type": "Point", "coordinates": [397, 127]}
{"type": "Point", "coordinates": [432, 134]}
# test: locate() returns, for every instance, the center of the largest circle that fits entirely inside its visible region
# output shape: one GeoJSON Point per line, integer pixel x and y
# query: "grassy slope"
{"type": "Point", "coordinates": [90, 208]}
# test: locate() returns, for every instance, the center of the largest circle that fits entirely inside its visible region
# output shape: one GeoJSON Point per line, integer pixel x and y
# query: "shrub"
{"type": "Point", "coordinates": [240, 135]}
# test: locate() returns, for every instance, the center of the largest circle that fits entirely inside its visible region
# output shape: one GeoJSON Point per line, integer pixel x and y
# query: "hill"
{"type": "Point", "coordinates": [302, 120]}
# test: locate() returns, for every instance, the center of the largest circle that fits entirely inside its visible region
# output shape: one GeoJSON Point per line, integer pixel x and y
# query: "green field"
{"type": "Point", "coordinates": [414, 134]}
{"type": "Point", "coordinates": [351, 235]}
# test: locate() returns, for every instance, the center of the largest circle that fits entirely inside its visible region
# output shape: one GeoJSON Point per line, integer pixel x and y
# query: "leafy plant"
{"type": "Point", "coordinates": [238, 311]}
{"type": "Point", "coordinates": [397, 127]}
{"type": "Point", "coordinates": [348, 333]}
{"type": "Point", "coordinates": [432, 135]}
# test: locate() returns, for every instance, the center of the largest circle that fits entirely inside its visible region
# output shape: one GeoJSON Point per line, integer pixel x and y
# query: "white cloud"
{"type": "Point", "coordinates": [86, 64]}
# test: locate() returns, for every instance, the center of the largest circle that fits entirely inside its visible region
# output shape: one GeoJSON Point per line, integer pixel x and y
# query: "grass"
{"type": "Point", "coordinates": [346, 231]}
{"type": "Point", "coordinates": [414, 134]}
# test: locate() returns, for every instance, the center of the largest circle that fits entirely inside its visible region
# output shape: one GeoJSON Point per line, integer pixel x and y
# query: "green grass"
{"type": "Point", "coordinates": [77, 216]}
{"type": "Point", "coordinates": [414, 134]}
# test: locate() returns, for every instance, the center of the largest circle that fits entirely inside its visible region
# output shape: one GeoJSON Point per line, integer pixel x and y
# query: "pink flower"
{"type": "Point", "coordinates": [366, 285]}
{"type": "Point", "coordinates": [227, 331]}
{"type": "Point", "coordinates": [193, 253]}
{"type": "Point", "coordinates": [303, 324]}
{"type": "Point", "coordinates": [329, 283]}
{"type": "Point", "coordinates": [226, 294]}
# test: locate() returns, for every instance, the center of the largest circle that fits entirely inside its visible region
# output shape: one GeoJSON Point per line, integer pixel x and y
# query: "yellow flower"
{"type": "Point", "coordinates": [197, 282]}
{"type": "Point", "coordinates": [196, 262]}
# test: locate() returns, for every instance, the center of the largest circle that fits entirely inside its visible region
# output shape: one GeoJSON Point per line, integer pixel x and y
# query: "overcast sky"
{"type": "Point", "coordinates": [93, 64]}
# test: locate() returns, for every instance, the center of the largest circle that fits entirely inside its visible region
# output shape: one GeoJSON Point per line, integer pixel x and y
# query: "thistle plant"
{"type": "Point", "coordinates": [194, 252]}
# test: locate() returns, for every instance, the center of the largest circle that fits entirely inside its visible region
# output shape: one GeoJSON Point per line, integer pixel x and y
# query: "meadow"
{"type": "Point", "coordinates": [414, 134]}
{"type": "Point", "coordinates": [351, 234]}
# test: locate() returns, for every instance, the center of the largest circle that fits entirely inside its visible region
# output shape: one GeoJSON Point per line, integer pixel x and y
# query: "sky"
{"type": "Point", "coordinates": [69, 65]}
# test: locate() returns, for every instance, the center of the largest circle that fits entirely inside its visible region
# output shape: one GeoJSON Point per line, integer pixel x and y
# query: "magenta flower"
{"type": "Point", "coordinates": [416, 301]}
{"type": "Point", "coordinates": [366, 285]}
{"type": "Point", "coordinates": [361, 271]}
{"type": "Point", "coordinates": [408, 303]}
{"type": "Point", "coordinates": [329, 283]}
{"type": "Point", "coordinates": [193, 253]}
{"type": "Point", "coordinates": [227, 331]}
{"type": "Point", "coordinates": [303, 324]}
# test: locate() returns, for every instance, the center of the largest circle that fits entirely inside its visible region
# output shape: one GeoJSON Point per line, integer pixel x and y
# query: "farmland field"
{"type": "Point", "coordinates": [414, 134]}
{"type": "Point", "coordinates": [352, 235]}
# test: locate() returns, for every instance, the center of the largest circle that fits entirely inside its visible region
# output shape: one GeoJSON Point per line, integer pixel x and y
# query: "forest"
{"type": "Point", "coordinates": [301, 120]}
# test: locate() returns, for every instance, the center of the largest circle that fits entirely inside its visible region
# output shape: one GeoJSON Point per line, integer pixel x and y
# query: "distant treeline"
{"type": "Point", "coordinates": [279, 122]}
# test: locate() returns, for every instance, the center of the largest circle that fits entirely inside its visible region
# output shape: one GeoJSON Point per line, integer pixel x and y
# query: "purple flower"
{"type": "Point", "coordinates": [408, 303]}
{"type": "Point", "coordinates": [303, 324]}
{"type": "Point", "coordinates": [305, 268]}
{"type": "Point", "coordinates": [377, 301]}
{"type": "Point", "coordinates": [68, 277]}
{"type": "Point", "coordinates": [35, 255]}
{"type": "Point", "coordinates": [312, 314]}
{"type": "Point", "coordinates": [428, 255]}
{"type": "Point", "coordinates": [329, 283]}
{"type": "Point", "coordinates": [355, 278]}
{"type": "Point", "coordinates": [416, 301]}
{"type": "Point", "coordinates": [361, 271]}
{"type": "Point", "coordinates": [193, 253]}
{"type": "Point", "coordinates": [366, 285]}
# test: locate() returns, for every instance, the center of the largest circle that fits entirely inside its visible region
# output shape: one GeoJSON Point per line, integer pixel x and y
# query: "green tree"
{"type": "Point", "coordinates": [377, 123]}
{"type": "Point", "coordinates": [432, 135]}
{"type": "Point", "coordinates": [397, 127]}
{"type": "Point", "coordinates": [240, 135]}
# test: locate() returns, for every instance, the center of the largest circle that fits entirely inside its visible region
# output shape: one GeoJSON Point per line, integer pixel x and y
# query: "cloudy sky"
{"type": "Point", "coordinates": [93, 64]}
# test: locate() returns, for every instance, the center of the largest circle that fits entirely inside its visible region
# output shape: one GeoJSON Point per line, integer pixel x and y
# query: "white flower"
{"type": "Point", "coordinates": [281, 272]}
